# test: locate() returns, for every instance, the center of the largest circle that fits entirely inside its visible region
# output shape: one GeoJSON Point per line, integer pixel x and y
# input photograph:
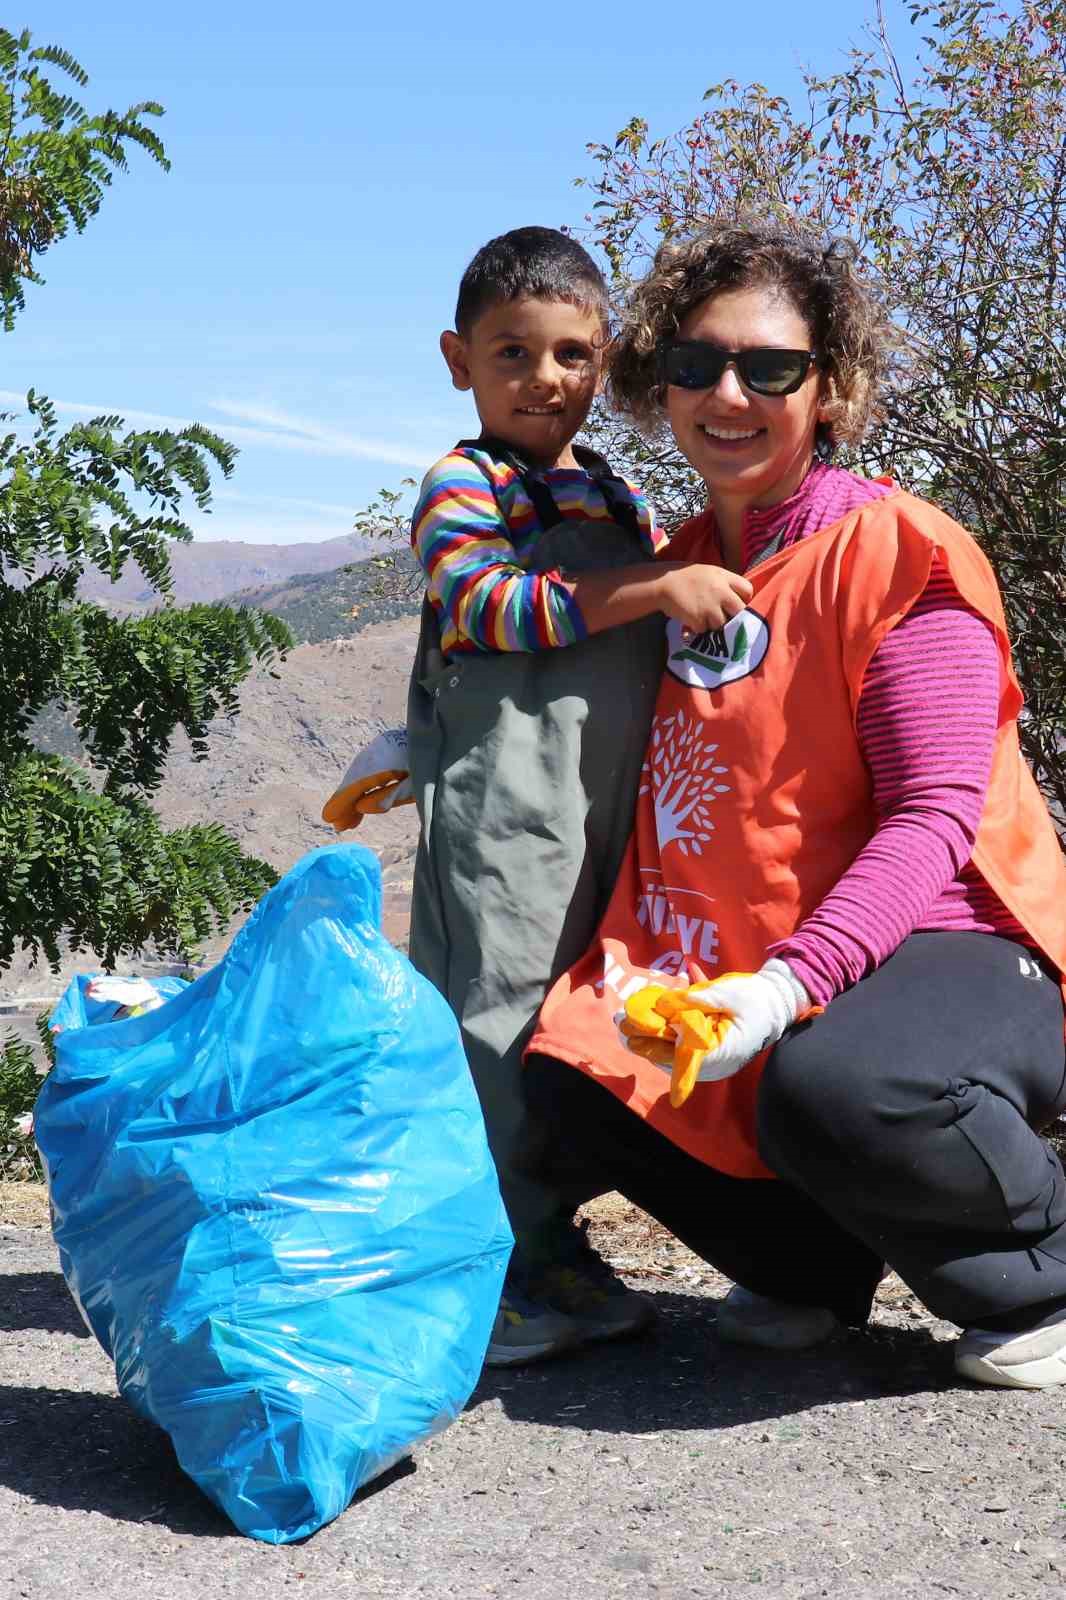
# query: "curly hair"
{"type": "Point", "coordinates": [849, 326]}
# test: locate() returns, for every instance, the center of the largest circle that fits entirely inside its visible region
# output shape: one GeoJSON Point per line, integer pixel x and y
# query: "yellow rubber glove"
{"type": "Point", "coordinates": [714, 1028]}
{"type": "Point", "coordinates": [664, 1026]}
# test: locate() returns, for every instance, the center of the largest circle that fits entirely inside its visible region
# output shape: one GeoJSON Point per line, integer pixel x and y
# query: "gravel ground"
{"type": "Point", "coordinates": [670, 1467]}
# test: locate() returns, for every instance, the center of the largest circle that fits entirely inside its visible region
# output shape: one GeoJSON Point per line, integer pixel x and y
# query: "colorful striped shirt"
{"type": "Point", "coordinates": [926, 721]}
{"type": "Point", "coordinates": [474, 529]}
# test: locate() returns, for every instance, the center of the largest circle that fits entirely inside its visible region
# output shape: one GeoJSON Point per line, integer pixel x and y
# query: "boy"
{"type": "Point", "coordinates": [530, 702]}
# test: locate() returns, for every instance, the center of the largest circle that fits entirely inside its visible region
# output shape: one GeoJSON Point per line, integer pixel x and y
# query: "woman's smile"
{"type": "Point", "coordinates": [750, 449]}
{"type": "Point", "coordinates": [721, 435]}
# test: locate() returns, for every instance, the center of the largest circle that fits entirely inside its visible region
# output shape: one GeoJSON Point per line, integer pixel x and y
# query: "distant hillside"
{"type": "Point", "coordinates": [208, 569]}
{"type": "Point", "coordinates": [337, 605]}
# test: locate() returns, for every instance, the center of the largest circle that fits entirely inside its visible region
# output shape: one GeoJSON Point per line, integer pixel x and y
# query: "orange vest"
{"type": "Point", "coordinates": [755, 799]}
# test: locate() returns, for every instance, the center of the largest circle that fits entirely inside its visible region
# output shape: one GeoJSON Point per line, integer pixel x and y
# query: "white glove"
{"type": "Point", "coordinates": [763, 1006]}
{"type": "Point", "coordinates": [387, 753]}
{"type": "Point", "coordinates": [378, 779]}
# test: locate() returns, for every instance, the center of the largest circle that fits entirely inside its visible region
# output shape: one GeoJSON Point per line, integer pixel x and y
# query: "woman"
{"type": "Point", "coordinates": [834, 807]}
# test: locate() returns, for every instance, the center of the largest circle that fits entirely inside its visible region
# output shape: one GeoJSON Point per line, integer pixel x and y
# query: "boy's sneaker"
{"type": "Point", "coordinates": [578, 1282]}
{"type": "Point", "coordinates": [745, 1317]}
{"type": "Point", "coordinates": [1035, 1359]}
{"type": "Point", "coordinates": [526, 1331]}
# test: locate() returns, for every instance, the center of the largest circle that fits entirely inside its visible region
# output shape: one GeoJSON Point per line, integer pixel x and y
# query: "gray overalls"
{"type": "Point", "coordinates": [525, 767]}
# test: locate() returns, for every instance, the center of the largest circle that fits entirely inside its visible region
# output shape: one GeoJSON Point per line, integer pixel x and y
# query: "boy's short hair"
{"type": "Point", "coordinates": [529, 263]}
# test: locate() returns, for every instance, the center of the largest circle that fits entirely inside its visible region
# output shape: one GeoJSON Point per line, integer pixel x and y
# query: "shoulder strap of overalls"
{"type": "Point", "coordinates": [616, 495]}
{"type": "Point", "coordinates": [548, 513]}
{"type": "Point", "coordinates": [616, 492]}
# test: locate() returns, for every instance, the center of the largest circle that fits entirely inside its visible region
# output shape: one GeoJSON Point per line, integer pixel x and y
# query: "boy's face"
{"type": "Point", "coordinates": [534, 367]}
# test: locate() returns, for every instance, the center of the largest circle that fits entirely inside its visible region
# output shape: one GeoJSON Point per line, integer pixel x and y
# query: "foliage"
{"type": "Point", "coordinates": [55, 159]}
{"type": "Point", "coordinates": [65, 498]}
{"type": "Point", "coordinates": [81, 852]}
{"type": "Point", "coordinates": [46, 1038]}
{"type": "Point", "coordinates": [387, 521]}
{"type": "Point", "coordinates": [953, 188]}
{"type": "Point", "coordinates": [19, 1086]}
{"type": "Point", "coordinates": [100, 870]}
{"type": "Point", "coordinates": [387, 518]}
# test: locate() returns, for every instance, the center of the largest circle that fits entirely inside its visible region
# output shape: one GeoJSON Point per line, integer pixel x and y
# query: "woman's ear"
{"type": "Point", "coordinates": [827, 401]}
{"type": "Point", "coordinates": [453, 349]}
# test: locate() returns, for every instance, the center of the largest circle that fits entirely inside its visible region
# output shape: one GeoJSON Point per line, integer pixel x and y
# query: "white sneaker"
{"type": "Point", "coordinates": [745, 1317]}
{"type": "Point", "coordinates": [1033, 1359]}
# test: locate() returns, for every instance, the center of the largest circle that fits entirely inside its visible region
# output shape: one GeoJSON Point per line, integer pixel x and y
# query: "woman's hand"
{"type": "Point", "coordinates": [763, 1005]}
{"type": "Point", "coordinates": [701, 597]}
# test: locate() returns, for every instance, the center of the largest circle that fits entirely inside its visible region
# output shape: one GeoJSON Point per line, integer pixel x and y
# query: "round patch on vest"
{"type": "Point", "coordinates": [721, 655]}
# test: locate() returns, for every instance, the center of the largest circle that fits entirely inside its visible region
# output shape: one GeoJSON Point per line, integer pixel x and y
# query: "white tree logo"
{"type": "Point", "coordinates": [682, 776]}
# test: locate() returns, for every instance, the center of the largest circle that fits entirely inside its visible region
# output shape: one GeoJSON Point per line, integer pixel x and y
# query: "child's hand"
{"type": "Point", "coordinates": [377, 780]}
{"type": "Point", "coordinates": [702, 597]}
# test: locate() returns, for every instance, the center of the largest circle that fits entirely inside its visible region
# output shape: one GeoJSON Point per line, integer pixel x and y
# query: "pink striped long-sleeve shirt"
{"type": "Point", "coordinates": [926, 723]}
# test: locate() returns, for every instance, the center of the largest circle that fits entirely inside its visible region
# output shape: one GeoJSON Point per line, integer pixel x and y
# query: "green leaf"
{"type": "Point", "coordinates": [83, 858]}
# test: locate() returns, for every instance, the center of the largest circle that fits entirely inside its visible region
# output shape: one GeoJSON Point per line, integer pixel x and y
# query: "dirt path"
{"type": "Point", "coordinates": [673, 1467]}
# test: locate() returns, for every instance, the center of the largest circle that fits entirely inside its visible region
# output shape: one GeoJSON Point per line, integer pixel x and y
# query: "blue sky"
{"type": "Point", "coordinates": [334, 167]}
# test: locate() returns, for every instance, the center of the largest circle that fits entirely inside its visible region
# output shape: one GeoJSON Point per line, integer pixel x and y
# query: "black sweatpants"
{"type": "Point", "coordinates": [903, 1125]}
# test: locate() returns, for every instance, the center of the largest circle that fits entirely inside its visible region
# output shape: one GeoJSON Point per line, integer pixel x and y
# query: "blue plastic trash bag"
{"type": "Point", "coordinates": [275, 1205]}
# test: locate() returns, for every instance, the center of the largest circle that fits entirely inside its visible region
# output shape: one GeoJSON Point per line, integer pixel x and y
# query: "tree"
{"type": "Point", "coordinates": [953, 188]}
{"type": "Point", "coordinates": [82, 854]}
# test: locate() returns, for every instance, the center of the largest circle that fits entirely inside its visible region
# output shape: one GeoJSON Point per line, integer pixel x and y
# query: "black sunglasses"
{"type": "Point", "coordinates": [695, 364]}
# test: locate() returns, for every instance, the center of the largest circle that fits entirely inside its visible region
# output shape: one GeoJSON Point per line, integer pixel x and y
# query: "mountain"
{"type": "Point", "coordinates": [269, 771]}
{"type": "Point", "coordinates": [340, 603]}
{"type": "Point", "coordinates": [210, 569]}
